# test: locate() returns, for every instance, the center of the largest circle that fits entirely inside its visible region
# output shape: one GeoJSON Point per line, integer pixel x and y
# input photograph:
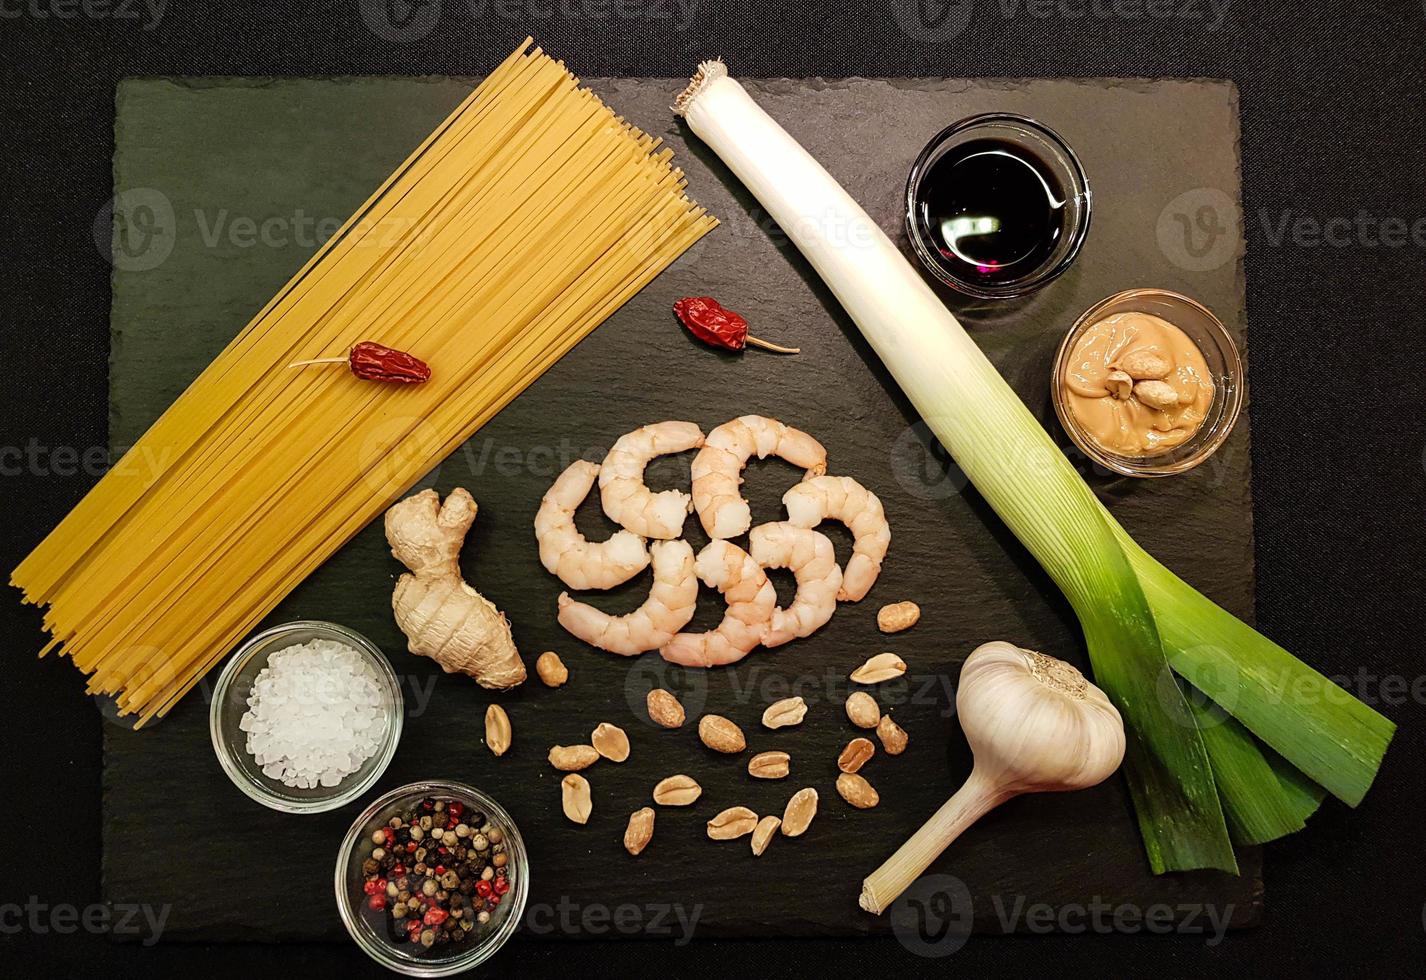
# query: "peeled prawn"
{"type": "Point", "coordinates": [582, 564]}
{"type": "Point", "coordinates": [668, 609]}
{"type": "Point", "coordinates": [840, 498]}
{"type": "Point", "coordinates": [718, 468]}
{"type": "Point", "coordinates": [813, 562]}
{"type": "Point", "coordinates": [750, 598]}
{"type": "Point", "coordinates": [626, 499]}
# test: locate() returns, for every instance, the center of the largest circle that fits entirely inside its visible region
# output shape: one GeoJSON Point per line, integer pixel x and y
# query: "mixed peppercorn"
{"type": "Point", "coordinates": [437, 872]}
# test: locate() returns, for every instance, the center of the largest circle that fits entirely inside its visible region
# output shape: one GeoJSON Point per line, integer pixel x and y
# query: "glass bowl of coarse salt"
{"type": "Point", "coordinates": [306, 716]}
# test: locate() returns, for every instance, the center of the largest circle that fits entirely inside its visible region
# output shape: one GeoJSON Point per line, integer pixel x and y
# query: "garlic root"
{"type": "Point", "coordinates": [443, 617]}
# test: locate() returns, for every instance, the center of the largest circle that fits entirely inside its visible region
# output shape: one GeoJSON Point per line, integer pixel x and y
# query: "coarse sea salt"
{"type": "Point", "coordinates": [317, 712]}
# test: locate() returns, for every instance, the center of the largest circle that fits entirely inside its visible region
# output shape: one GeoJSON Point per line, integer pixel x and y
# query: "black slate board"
{"type": "Point", "coordinates": [243, 175]}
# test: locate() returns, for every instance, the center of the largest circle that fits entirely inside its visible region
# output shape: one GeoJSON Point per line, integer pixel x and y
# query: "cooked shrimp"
{"type": "Point", "coordinates": [582, 564]}
{"type": "Point", "coordinates": [626, 500]}
{"type": "Point", "coordinates": [812, 560]}
{"type": "Point", "coordinates": [840, 498]}
{"type": "Point", "coordinates": [750, 598]}
{"type": "Point", "coordinates": [668, 609]}
{"type": "Point", "coordinates": [718, 468]}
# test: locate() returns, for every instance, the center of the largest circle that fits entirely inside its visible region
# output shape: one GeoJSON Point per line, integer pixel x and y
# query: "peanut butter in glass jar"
{"type": "Point", "coordinates": [1136, 384]}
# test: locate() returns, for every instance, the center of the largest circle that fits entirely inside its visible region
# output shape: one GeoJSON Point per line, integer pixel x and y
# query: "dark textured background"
{"type": "Point", "coordinates": [1331, 128]}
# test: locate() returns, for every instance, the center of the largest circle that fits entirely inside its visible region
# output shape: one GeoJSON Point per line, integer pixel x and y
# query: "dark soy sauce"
{"type": "Point", "coordinates": [992, 211]}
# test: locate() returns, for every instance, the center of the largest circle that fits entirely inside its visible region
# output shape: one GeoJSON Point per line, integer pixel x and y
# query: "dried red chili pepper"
{"type": "Point", "coordinates": [707, 320]}
{"type": "Point", "coordinates": [371, 361]}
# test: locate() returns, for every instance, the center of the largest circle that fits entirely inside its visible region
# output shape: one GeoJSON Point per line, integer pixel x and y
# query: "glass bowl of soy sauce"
{"type": "Point", "coordinates": [997, 205]}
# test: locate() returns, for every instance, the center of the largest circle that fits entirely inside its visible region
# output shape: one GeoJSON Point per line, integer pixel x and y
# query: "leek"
{"type": "Point", "coordinates": [1139, 620]}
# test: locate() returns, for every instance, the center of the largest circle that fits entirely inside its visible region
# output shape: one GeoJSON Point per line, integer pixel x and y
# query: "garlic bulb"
{"type": "Point", "coordinates": [1035, 725]}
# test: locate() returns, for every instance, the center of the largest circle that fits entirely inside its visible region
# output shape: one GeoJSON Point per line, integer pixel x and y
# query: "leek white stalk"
{"type": "Point", "coordinates": [1124, 599]}
{"type": "Point", "coordinates": [1035, 725]}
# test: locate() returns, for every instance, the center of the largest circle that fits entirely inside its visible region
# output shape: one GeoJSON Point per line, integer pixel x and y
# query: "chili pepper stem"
{"type": "Point", "coordinates": [319, 360]}
{"type": "Point", "coordinates": [775, 348]}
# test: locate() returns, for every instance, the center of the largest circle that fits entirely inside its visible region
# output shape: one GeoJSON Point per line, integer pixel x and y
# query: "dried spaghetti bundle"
{"type": "Point", "coordinates": [159, 571]}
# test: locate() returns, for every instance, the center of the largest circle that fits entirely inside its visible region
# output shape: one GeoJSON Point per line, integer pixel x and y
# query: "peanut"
{"type": "Point", "coordinates": [898, 616]}
{"type": "Point", "coordinates": [497, 729]}
{"type": "Point", "coordinates": [721, 735]}
{"type": "Point", "coordinates": [862, 710]}
{"type": "Point", "coordinates": [857, 791]}
{"type": "Point", "coordinates": [574, 796]}
{"type": "Point", "coordinates": [1119, 385]}
{"type": "Point", "coordinates": [677, 791]}
{"type": "Point", "coordinates": [1144, 365]}
{"type": "Point", "coordinates": [893, 736]}
{"type": "Point", "coordinates": [610, 741]}
{"type": "Point", "coordinates": [572, 758]}
{"type": "Point", "coordinates": [785, 713]}
{"type": "Point", "coordinates": [551, 669]}
{"type": "Point", "coordinates": [856, 754]}
{"type": "Point", "coordinates": [762, 834]}
{"type": "Point", "coordinates": [732, 823]}
{"type": "Point", "coordinates": [798, 814]}
{"type": "Point", "coordinates": [640, 831]}
{"type": "Point", "coordinates": [882, 667]}
{"type": "Point", "coordinates": [664, 709]}
{"type": "Point", "coordinates": [1156, 394]}
{"type": "Point", "coordinates": [769, 765]}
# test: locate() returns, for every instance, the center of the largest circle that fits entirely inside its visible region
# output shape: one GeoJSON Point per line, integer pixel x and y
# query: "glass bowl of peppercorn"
{"type": "Point", "coordinates": [432, 879]}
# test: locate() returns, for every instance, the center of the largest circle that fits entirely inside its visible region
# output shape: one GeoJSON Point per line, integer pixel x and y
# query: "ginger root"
{"type": "Point", "coordinates": [443, 617]}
